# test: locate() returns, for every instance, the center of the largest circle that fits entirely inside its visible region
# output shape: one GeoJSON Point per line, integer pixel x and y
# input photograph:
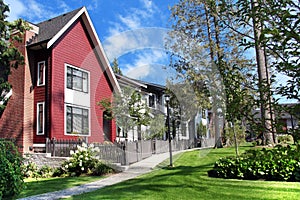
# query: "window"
{"type": "Point", "coordinates": [152, 101]}
{"type": "Point", "coordinates": [40, 118]}
{"type": "Point", "coordinates": [77, 121]}
{"type": "Point", "coordinates": [41, 73]}
{"type": "Point", "coordinates": [77, 79]}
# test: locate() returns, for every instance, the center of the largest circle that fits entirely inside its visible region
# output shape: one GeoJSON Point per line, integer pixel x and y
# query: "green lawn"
{"type": "Point", "coordinates": [44, 185]}
{"type": "Point", "coordinates": [189, 180]}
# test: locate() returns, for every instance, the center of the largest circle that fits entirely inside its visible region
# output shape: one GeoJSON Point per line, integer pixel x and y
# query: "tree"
{"type": "Point", "coordinates": [128, 109]}
{"type": "Point", "coordinates": [211, 55]}
{"type": "Point", "coordinates": [10, 34]}
{"type": "Point", "coordinates": [115, 67]}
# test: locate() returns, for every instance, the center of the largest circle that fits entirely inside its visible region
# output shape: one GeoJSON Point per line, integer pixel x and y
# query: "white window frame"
{"type": "Point", "coordinates": [38, 73]}
{"type": "Point", "coordinates": [37, 118]}
{"type": "Point", "coordinates": [82, 71]}
{"type": "Point", "coordinates": [89, 120]}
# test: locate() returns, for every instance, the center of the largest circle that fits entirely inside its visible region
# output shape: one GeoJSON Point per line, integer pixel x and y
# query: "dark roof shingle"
{"type": "Point", "coordinates": [49, 28]}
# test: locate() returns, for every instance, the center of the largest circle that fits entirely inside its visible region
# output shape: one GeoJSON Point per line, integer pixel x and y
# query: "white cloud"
{"type": "Point", "coordinates": [134, 18]}
{"type": "Point", "coordinates": [143, 65]}
{"type": "Point", "coordinates": [129, 41]}
{"type": "Point", "coordinates": [17, 8]}
{"type": "Point", "coordinates": [34, 11]}
{"type": "Point", "coordinates": [93, 5]}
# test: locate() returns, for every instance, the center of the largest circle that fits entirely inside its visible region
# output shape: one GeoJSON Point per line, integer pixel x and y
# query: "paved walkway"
{"type": "Point", "coordinates": [134, 170]}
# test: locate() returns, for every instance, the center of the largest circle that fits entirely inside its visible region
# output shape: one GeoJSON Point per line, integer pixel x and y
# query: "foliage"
{"type": "Point", "coordinates": [10, 55]}
{"type": "Point", "coordinates": [285, 139]}
{"type": "Point", "coordinates": [128, 108]}
{"type": "Point", "coordinates": [83, 161]}
{"type": "Point", "coordinates": [219, 66]}
{"type": "Point", "coordinates": [157, 126]}
{"type": "Point", "coordinates": [239, 131]}
{"type": "Point", "coordinates": [115, 67]}
{"type": "Point", "coordinates": [280, 163]}
{"type": "Point", "coordinates": [11, 176]}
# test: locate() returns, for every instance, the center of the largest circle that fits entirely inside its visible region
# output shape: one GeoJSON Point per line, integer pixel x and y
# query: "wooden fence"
{"type": "Point", "coordinates": [125, 153]}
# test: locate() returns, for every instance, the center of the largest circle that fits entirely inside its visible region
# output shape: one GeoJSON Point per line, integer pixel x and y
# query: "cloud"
{"type": "Point", "coordinates": [134, 18]}
{"type": "Point", "coordinates": [143, 38]}
{"type": "Point", "coordinates": [93, 5]}
{"type": "Point", "coordinates": [34, 11]}
{"type": "Point", "coordinates": [144, 63]}
{"type": "Point", "coordinates": [17, 8]}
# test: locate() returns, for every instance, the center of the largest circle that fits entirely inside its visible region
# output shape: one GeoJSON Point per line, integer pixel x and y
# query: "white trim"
{"type": "Point", "coordinates": [65, 118]}
{"type": "Point", "coordinates": [39, 145]}
{"type": "Point", "coordinates": [7, 96]}
{"type": "Point", "coordinates": [62, 31]}
{"type": "Point", "coordinates": [95, 39]}
{"type": "Point", "coordinates": [38, 73]}
{"type": "Point", "coordinates": [37, 118]}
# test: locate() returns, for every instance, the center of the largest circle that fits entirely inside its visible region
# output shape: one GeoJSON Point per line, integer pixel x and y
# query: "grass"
{"type": "Point", "coordinates": [44, 185]}
{"type": "Point", "coordinates": [189, 180]}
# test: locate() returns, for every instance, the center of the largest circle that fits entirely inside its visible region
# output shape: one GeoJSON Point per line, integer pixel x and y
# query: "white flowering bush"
{"type": "Point", "coordinates": [83, 161]}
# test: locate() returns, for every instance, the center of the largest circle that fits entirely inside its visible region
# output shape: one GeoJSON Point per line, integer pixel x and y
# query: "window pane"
{"type": "Point", "coordinates": [85, 82]}
{"type": "Point", "coordinates": [41, 71]}
{"type": "Point", "coordinates": [77, 79]}
{"type": "Point", "coordinates": [69, 78]}
{"type": "Point", "coordinates": [69, 119]}
{"type": "Point", "coordinates": [77, 83]}
{"type": "Point", "coordinates": [40, 119]}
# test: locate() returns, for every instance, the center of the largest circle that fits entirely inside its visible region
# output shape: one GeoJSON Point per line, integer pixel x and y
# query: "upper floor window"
{"type": "Point", "coordinates": [77, 79]}
{"type": "Point", "coordinates": [40, 118]}
{"type": "Point", "coordinates": [41, 71]}
{"type": "Point", "coordinates": [152, 99]}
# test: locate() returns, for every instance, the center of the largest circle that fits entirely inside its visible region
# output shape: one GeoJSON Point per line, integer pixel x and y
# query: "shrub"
{"type": "Point", "coordinates": [285, 139]}
{"type": "Point", "coordinates": [101, 168]}
{"type": "Point", "coordinates": [280, 163]}
{"type": "Point", "coordinates": [30, 170]}
{"type": "Point", "coordinates": [11, 175]}
{"type": "Point", "coordinates": [83, 161]}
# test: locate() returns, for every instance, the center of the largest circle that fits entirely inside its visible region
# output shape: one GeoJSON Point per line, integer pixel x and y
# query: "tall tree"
{"type": "Point", "coordinates": [210, 53]}
{"type": "Point", "coordinates": [10, 56]}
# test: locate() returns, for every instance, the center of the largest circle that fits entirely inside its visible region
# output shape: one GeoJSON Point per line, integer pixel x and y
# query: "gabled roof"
{"type": "Point", "coordinates": [51, 30]}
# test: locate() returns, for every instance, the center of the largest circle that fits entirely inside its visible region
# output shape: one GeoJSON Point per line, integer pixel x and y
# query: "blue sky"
{"type": "Point", "coordinates": [130, 30]}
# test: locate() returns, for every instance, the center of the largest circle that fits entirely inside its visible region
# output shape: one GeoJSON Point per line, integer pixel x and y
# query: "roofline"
{"type": "Point", "coordinates": [130, 81]}
{"type": "Point", "coordinates": [95, 39]}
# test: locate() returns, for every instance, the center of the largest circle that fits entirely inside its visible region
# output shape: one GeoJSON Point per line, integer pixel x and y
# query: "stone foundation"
{"type": "Point", "coordinates": [44, 159]}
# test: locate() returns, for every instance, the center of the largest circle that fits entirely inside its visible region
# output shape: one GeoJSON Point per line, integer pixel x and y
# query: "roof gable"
{"type": "Point", "coordinates": [51, 30]}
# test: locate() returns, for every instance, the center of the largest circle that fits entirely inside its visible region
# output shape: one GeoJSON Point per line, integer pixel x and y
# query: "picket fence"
{"type": "Point", "coordinates": [123, 152]}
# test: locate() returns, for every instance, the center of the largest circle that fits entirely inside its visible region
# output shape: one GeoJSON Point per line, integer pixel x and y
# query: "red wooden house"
{"type": "Point", "coordinates": [55, 94]}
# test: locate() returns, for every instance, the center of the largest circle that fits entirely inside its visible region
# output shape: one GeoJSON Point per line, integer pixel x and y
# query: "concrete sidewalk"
{"type": "Point", "coordinates": [134, 170]}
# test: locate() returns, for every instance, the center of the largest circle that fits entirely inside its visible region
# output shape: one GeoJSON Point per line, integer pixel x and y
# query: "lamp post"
{"type": "Point", "coordinates": [167, 98]}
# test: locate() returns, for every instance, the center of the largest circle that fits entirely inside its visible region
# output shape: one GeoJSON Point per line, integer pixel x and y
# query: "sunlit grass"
{"type": "Point", "coordinates": [188, 180]}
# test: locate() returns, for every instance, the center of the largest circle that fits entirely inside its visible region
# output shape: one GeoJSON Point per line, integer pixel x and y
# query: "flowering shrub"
{"type": "Point", "coordinates": [83, 161]}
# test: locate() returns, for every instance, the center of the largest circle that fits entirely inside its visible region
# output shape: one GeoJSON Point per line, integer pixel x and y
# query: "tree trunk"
{"type": "Point", "coordinates": [264, 79]}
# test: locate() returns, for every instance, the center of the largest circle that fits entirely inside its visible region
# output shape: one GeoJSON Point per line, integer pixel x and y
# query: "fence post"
{"type": "Point", "coordinates": [48, 150]}
{"type": "Point", "coordinates": [126, 154]}
{"type": "Point", "coordinates": [53, 147]}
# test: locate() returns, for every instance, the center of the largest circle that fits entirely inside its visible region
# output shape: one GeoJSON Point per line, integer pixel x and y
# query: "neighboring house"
{"type": "Point", "coordinates": [153, 96]}
{"type": "Point", "coordinates": [55, 93]}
